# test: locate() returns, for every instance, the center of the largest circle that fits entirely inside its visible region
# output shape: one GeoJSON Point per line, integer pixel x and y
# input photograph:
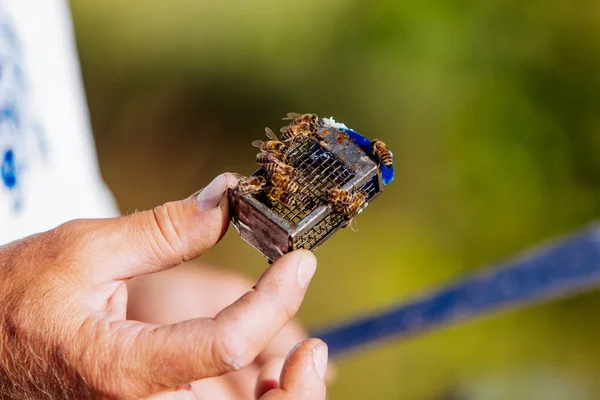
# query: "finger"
{"type": "Point", "coordinates": [214, 389]}
{"type": "Point", "coordinates": [303, 375]}
{"type": "Point", "coordinates": [268, 379]}
{"type": "Point", "coordinates": [193, 291]}
{"type": "Point", "coordinates": [117, 303]}
{"type": "Point", "coordinates": [185, 393]}
{"type": "Point", "coordinates": [243, 381]}
{"type": "Point", "coordinates": [166, 236]}
{"type": "Point", "coordinates": [291, 334]}
{"type": "Point", "coordinates": [169, 356]}
{"type": "Point", "coordinates": [183, 293]}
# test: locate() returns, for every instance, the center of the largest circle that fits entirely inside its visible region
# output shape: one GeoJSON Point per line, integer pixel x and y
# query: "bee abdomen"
{"type": "Point", "coordinates": [252, 185]}
{"type": "Point", "coordinates": [291, 187]}
{"type": "Point", "coordinates": [273, 167]}
{"type": "Point", "coordinates": [381, 150]}
{"type": "Point", "coordinates": [288, 199]}
{"type": "Point", "coordinates": [387, 159]}
{"type": "Point", "coordinates": [268, 158]}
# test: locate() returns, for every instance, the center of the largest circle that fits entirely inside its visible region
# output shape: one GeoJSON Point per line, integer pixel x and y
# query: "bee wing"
{"type": "Point", "coordinates": [239, 176]}
{"type": "Point", "coordinates": [291, 115]}
{"type": "Point", "coordinates": [353, 225]}
{"type": "Point", "coordinates": [271, 135]}
{"type": "Point", "coordinates": [284, 128]}
{"type": "Point", "coordinates": [258, 143]}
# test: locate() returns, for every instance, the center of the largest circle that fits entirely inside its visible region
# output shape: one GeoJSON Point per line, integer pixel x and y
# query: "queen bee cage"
{"type": "Point", "coordinates": [335, 158]}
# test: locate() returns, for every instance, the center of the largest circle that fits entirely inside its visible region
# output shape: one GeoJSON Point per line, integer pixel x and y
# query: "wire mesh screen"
{"type": "Point", "coordinates": [318, 171]}
{"type": "Point", "coordinates": [314, 236]}
{"type": "Point", "coordinates": [328, 224]}
{"type": "Point", "coordinates": [293, 210]}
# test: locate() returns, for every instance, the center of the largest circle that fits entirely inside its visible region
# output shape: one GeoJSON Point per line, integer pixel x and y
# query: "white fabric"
{"type": "Point", "coordinates": [48, 167]}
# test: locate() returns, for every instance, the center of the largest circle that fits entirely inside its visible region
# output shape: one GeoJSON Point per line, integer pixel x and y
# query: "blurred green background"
{"type": "Point", "coordinates": [492, 111]}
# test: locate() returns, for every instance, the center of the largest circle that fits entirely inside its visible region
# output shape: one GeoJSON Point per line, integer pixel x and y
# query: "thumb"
{"type": "Point", "coordinates": [303, 374]}
{"type": "Point", "coordinates": [166, 236]}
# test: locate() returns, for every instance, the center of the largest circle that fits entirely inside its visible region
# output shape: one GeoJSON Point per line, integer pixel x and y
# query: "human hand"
{"type": "Point", "coordinates": [199, 290]}
{"type": "Point", "coordinates": [63, 297]}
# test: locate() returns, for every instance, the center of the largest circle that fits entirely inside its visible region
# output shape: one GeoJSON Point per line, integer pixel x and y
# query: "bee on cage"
{"type": "Point", "coordinates": [274, 145]}
{"type": "Point", "coordinates": [381, 150]}
{"type": "Point", "coordinates": [296, 119]}
{"type": "Point", "coordinates": [296, 206]}
{"type": "Point", "coordinates": [252, 185]}
{"type": "Point", "coordinates": [293, 133]}
{"type": "Point", "coordinates": [280, 168]}
{"type": "Point", "coordinates": [350, 211]}
{"type": "Point", "coordinates": [285, 182]}
{"type": "Point", "coordinates": [338, 196]}
{"type": "Point", "coordinates": [348, 204]}
{"type": "Point", "coordinates": [277, 194]}
{"type": "Point", "coordinates": [267, 158]}
{"type": "Point", "coordinates": [359, 200]}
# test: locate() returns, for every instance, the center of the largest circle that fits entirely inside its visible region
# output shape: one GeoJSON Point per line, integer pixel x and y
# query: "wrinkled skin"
{"type": "Point", "coordinates": [63, 308]}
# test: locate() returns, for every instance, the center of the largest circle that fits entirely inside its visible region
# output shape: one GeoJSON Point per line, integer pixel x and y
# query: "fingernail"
{"type": "Point", "coordinates": [211, 196]}
{"type": "Point", "coordinates": [306, 270]}
{"type": "Point", "coordinates": [320, 355]}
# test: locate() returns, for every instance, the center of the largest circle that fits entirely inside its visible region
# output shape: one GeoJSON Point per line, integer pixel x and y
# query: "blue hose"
{"type": "Point", "coordinates": [562, 268]}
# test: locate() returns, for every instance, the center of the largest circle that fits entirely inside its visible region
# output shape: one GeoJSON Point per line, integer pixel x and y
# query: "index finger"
{"type": "Point", "coordinates": [169, 356]}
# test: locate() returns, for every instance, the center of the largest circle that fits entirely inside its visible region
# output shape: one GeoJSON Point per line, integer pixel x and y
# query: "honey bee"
{"type": "Point", "coordinates": [273, 145]}
{"type": "Point", "coordinates": [338, 196]}
{"type": "Point", "coordinates": [283, 169]}
{"type": "Point", "coordinates": [284, 182]}
{"type": "Point", "coordinates": [280, 195]}
{"type": "Point", "coordinates": [296, 118]}
{"type": "Point", "coordinates": [297, 131]}
{"type": "Point", "coordinates": [348, 204]}
{"type": "Point", "coordinates": [359, 198]}
{"type": "Point", "coordinates": [381, 150]}
{"type": "Point", "coordinates": [252, 185]}
{"type": "Point", "coordinates": [267, 158]}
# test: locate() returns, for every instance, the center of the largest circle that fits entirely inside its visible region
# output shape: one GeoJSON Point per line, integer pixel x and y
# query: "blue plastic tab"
{"type": "Point", "coordinates": [360, 140]}
{"type": "Point", "coordinates": [387, 174]}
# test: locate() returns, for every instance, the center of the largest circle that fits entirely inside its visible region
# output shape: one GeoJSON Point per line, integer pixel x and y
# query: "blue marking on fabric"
{"type": "Point", "coordinates": [18, 76]}
{"type": "Point", "coordinates": [387, 174]}
{"type": "Point", "coordinates": [566, 267]}
{"type": "Point", "coordinates": [8, 33]}
{"type": "Point", "coordinates": [23, 145]}
{"type": "Point", "coordinates": [9, 169]}
{"type": "Point", "coordinates": [9, 113]}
